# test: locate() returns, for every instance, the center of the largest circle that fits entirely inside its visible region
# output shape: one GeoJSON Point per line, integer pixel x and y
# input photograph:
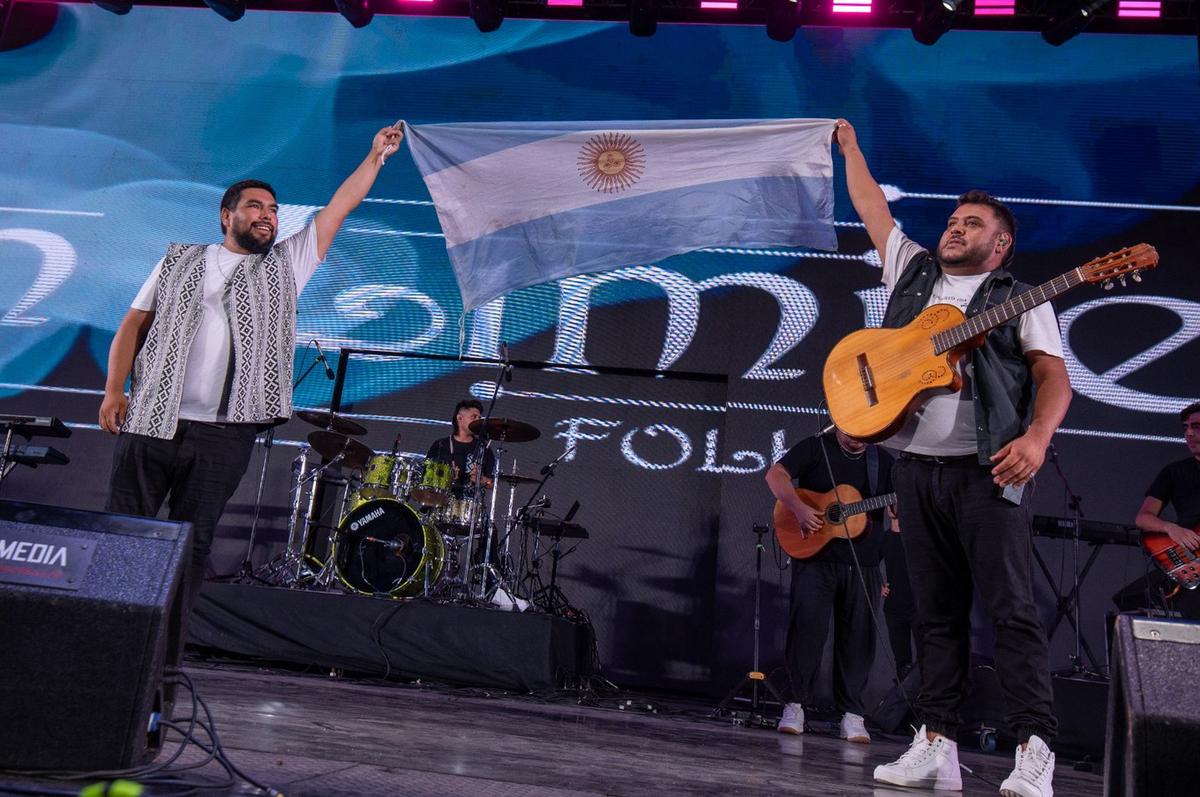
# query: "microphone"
{"type": "Point", "coordinates": [549, 467]}
{"type": "Point", "coordinates": [391, 545]}
{"type": "Point", "coordinates": [396, 445]}
{"type": "Point", "coordinates": [321, 357]}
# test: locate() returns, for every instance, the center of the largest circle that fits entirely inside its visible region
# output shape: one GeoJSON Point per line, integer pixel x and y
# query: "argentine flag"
{"type": "Point", "coordinates": [522, 203]}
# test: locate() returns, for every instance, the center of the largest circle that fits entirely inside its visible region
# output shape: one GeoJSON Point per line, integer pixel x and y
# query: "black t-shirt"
{"type": "Point", "coordinates": [1178, 484]}
{"type": "Point", "coordinates": [806, 465]}
{"type": "Point", "coordinates": [463, 456]}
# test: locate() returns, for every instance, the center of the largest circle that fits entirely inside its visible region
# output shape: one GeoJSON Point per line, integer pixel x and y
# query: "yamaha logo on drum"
{"type": "Point", "coordinates": [365, 519]}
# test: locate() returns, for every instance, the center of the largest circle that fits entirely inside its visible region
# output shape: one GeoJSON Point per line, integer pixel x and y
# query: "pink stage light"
{"type": "Point", "coordinates": [1151, 9]}
{"type": "Point", "coordinates": [852, 6]}
{"type": "Point", "coordinates": [718, 5]}
{"type": "Point", "coordinates": [995, 8]}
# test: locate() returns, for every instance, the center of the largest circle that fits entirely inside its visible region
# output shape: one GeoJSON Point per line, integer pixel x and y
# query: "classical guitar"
{"type": "Point", "coordinates": [845, 516]}
{"type": "Point", "coordinates": [1182, 565]}
{"type": "Point", "coordinates": [875, 377]}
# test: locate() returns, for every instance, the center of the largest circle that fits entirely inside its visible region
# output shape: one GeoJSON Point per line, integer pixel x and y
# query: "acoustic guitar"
{"type": "Point", "coordinates": [843, 518]}
{"type": "Point", "coordinates": [1182, 565]}
{"type": "Point", "coordinates": [874, 378]}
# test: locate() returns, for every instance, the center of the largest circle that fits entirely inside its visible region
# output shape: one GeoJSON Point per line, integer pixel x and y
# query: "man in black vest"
{"type": "Point", "coordinates": [209, 340]}
{"type": "Point", "coordinates": [963, 460]}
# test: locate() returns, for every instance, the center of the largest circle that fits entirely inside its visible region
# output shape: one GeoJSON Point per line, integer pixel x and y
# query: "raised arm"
{"type": "Point", "coordinates": [866, 195]}
{"type": "Point", "coordinates": [355, 188]}
{"type": "Point", "coordinates": [121, 353]}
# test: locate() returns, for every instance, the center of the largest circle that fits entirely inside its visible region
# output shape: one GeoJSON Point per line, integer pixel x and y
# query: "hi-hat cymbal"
{"type": "Point", "coordinates": [516, 478]}
{"type": "Point", "coordinates": [331, 422]}
{"type": "Point", "coordinates": [329, 444]}
{"type": "Point", "coordinates": [507, 430]}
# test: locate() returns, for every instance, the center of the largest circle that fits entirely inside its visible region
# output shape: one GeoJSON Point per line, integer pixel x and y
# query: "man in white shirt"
{"type": "Point", "coordinates": [962, 461]}
{"type": "Point", "coordinates": [209, 342]}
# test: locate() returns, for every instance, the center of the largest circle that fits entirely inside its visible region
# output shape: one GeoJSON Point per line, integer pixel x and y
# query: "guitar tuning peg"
{"type": "Point", "coordinates": [1122, 280]}
{"type": "Point", "coordinates": [1136, 276]}
{"type": "Point", "coordinates": [1107, 284]}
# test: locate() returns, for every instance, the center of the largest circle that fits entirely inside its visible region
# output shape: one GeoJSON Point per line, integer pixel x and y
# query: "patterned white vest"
{"type": "Point", "coordinates": [260, 299]}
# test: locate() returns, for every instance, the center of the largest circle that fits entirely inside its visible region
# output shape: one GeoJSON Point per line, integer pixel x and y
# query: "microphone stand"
{"type": "Point", "coordinates": [481, 443]}
{"type": "Point", "coordinates": [247, 568]}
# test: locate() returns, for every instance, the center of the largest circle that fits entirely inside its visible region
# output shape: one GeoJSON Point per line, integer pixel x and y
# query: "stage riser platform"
{"type": "Point", "coordinates": [410, 639]}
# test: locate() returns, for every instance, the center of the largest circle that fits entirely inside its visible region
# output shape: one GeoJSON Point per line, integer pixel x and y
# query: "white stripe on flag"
{"type": "Point", "coordinates": [531, 181]}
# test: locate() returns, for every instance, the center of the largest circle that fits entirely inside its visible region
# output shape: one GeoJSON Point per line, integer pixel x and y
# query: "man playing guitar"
{"type": "Point", "coordinates": [1178, 484]}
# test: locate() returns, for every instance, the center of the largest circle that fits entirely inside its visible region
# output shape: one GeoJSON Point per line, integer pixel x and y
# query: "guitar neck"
{"type": "Point", "coordinates": [993, 317]}
{"type": "Point", "coordinates": [868, 504]}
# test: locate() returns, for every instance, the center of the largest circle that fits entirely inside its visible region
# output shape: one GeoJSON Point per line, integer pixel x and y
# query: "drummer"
{"type": "Point", "coordinates": [462, 450]}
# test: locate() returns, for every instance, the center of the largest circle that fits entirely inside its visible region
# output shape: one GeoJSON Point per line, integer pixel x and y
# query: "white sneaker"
{"type": "Point", "coordinates": [854, 729]}
{"type": "Point", "coordinates": [926, 765]}
{"type": "Point", "coordinates": [792, 720]}
{"type": "Point", "coordinates": [1034, 772]}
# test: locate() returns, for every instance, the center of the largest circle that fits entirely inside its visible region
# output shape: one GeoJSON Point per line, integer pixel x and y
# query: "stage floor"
{"type": "Point", "coordinates": [310, 735]}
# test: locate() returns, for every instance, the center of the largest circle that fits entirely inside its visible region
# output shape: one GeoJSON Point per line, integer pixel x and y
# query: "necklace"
{"type": "Point", "coordinates": [850, 455]}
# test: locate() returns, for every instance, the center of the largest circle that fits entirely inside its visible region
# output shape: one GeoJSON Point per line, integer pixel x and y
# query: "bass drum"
{"type": "Point", "coordinates": [383, 547]}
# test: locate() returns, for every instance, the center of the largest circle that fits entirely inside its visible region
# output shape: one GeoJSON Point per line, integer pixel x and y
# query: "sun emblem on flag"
{"type": "Point", "coordinates": [611, 162]}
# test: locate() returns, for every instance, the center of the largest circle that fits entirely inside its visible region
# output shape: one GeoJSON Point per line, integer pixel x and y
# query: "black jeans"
{"type": "Point", "coordinates": [821, 590]}
{"type": "Point", "coordinates": [196, 472]}
{"type": "Point", "coordinates": [958, 534]}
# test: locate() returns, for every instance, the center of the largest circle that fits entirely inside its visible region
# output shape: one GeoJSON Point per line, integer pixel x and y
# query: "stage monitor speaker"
{"type": "Point", "coordinates": [88, 602]}
{"type": "Point", "coordinates": [1153, 708]}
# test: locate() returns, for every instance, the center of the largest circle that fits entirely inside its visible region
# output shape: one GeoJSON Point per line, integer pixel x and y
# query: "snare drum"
{"type": "Point", "coordinates": [384, 547]}
{"type": "Point", "coordinates": [433, 489]}
{"type": "Point", "coordinates": [456, 517]}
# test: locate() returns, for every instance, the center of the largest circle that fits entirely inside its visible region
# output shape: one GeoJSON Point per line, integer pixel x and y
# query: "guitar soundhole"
{"type": "Point", "coordinates": [833, 513]}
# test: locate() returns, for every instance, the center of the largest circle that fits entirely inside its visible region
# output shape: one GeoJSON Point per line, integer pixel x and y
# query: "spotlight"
{"type": "Point", "coordinates": [934, 18]}
{"type": "Point", "coordinates": [1070, 22]}
{"type": "Point", "coordinates": [232, 10]}
{"type": "Point", "coordinates": [487, 14]}
{"type": "Point", "coordinates": [115, 6]}
{"type": "Point", "coordinates": [357, 12]}
{"type": "Point", "coordinates": [783, 17]}
{"type": "Point", "coordinates": [643, 17]}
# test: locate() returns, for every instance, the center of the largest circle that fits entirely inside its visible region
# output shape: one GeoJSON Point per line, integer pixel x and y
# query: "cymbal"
{"type": "Point", "coordinates": [516, 478]}
{"type": "Point", "coordinates": [329, 444]}
{"type": "Point", "coordinates": [507, 430]}
{"type": "Point", "coordinates": [331, 422]}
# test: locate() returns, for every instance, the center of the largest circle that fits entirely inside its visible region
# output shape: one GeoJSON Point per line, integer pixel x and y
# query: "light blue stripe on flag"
{"type": "Point", "coordinates": [522, 204]}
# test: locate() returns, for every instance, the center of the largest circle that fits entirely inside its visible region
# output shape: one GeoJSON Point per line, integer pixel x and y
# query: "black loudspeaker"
{"type": "Point", "coordinates": [88, 602]}
{"type": "Point", "coordinates": [1153, 708]}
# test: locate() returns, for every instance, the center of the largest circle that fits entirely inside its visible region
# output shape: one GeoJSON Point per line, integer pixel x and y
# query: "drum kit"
{"type": "Point", "coordinates": [404, 527]}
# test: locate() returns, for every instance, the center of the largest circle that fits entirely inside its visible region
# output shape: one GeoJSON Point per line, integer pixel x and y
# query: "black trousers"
{"type": "Point", "coordinates": [195, 472]}
{"type": "Point", "coordinates": [959, 534]}
{"type": "Point", "coordinates": [822, 591]}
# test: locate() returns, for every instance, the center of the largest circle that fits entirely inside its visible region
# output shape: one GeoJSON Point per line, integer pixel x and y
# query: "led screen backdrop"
{"type": "Point", "coordinates": [118, 135]}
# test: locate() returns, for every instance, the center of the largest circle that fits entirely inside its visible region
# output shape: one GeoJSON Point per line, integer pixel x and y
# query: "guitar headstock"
{"type": "Point", "coordinates": [1117, 265]}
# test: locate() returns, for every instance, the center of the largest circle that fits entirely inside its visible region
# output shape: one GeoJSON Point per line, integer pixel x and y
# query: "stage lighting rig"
{"type": "Point", "coordinates": [783, 18]}
{"type": "Point", "coordinates": [232, 10]}
{"type": "Point", "coordinates": [643, 17]}
{"type": "Point", "coordinates": [934, 18]}
{"type": "Point", "coordinates": [1070, 21]}
{"type": "Point", "coordinates": [120, 7]}
{"type": "Point", "coordinates": [357, 12]}
{"type": "Point", "coordinates": [487, 14]}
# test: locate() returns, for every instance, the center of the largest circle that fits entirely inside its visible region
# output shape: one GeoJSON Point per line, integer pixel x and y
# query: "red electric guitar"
{"type": "Point", "coordinates": [1182, 565]}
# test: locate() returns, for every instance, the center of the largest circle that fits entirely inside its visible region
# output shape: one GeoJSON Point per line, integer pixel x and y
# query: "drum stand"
{"type": "Point", "coordinates": [289, 568]}
{"type": "Point", "coordinates": [485, 441]}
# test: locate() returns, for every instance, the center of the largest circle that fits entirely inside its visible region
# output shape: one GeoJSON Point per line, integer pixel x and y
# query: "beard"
{"type": "Point", "coordinates": [246, 239]}
{"type": "Point", "coordinates": [963, 257]}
